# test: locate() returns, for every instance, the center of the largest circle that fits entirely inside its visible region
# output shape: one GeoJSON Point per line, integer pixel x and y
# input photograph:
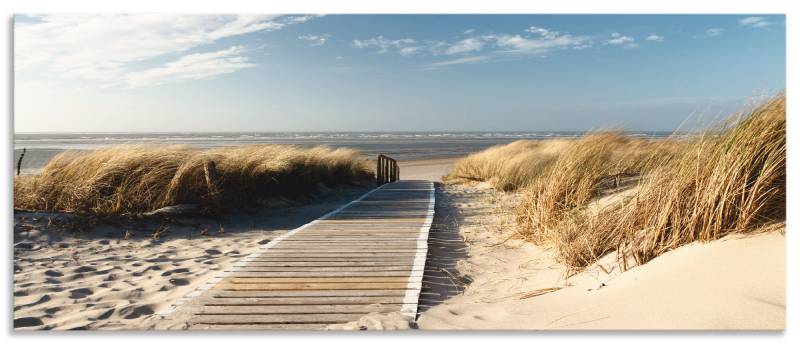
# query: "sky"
{"type": "Point", "coordinates": [213, 73]}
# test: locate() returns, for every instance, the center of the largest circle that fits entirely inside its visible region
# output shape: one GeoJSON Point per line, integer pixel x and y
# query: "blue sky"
{"type": "Point", "coordinates": [159, 72]}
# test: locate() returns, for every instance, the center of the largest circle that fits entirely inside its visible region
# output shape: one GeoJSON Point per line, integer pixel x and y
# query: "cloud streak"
{"type": "Point", "coordinates": [756, 22]}
{"type": "Point", "coordinates": [315, 40]}
{"type": "Point", "coordinates": [192, 67]}
{"type": "Point", "coordinates": [654, 38]}
{"type": "Point", "coordinates": [535, 41]}
{"type": "Point", "coordinates": [90, 48]}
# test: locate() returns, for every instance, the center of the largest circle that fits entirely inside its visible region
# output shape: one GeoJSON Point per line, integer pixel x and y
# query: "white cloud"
{"type": "Point", "coordinates": [534, 41]}
{"type": "Point", "coordinates": [754, 22]}
{"type": "Point", "coordinates": [465, 46]}
{"type": "Point", "coordinates": [459, 61]}
{"type": "Point", "coordinates": [315, 40]}
{"type": "Point", "coordinates": [192, 67]}
{"type": "Point", "coordinates": [714, 31]}
{"type": "Point", "coordinates": [654, 38]}
{"type": "Point", "coordinates": [540, 45]}
{"type": "Point", "coordinates": [541, 41]}
{"type": "Point", "coordinates": [619, 39]}
{"type": "Point", "coordinates": [403, 46]}
{"type": "Point", "coordinates": [544, 33]}
{"type": "Point", "coordinates": [104, 48]}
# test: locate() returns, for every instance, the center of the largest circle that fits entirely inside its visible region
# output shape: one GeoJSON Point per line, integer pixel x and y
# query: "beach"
{"type": "Point", "coordinates": [479, 274]}
{"type": "Point", "coordinates": [99, 280]}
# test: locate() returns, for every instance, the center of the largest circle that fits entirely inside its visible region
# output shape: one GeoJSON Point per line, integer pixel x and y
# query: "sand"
{"type": "Point", "coordinates": [737, 282]}
{"type": "Point", "coordinates": [428, 169]}
{"type": "Point", "coordinates": [99, 280]}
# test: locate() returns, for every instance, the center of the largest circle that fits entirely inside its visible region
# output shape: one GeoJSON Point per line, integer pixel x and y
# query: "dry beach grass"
{"type": "Point", "coordinates": [729, 179]}
{"type": "Point", "coordinates": [136, 179]}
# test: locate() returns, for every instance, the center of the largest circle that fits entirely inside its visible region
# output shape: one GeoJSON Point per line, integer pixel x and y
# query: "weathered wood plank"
{"type": "Point", "coordinates": [219, 293]}
{"type": "Point", "coordinates": [408, 265]}
{"type": "Point", "coordinates": [308, 300]}
{"type": "Point", "coordinates": [251, 319]}
{"type": "Point", "coordinates": [270, 280]}
{"type": "Point", "coordinates": [310, 286]}
{"type": "Point", "coordinates": [298, 309]}
{"type": "Point", "coordinates": [306, 268]}
{"type": "Point", "coordinates": [399, 273]}
{"type": "Point", "coordinates": [259, 327]}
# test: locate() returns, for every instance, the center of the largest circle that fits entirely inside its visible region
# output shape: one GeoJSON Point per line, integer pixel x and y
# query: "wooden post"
{"type": "Point", "coordinates": [378, 179]}
{"type": "Point", "coordinates": [19, 162]}
{"type": "Point", "coordinates": [210, 170]}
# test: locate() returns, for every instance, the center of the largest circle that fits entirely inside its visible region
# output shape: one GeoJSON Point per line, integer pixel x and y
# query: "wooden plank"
{"type": "Point", "coordinates": [381, 244]}
{"type": "Point", "coordinates": [407, 264]}
{"type": "Point", "coordinates": [299, 309]}
{"type": "Point", "coordinates": [308, 300]}
{"type": "Point", "coordinates": [302, 279]}
{"type": "Point", "coordinates": [334, 261]}
{"type": "Point", "coordinates": [313, 250]}
{"type": "Point", "coordinates": [251, 319]}
{"type": "Point", "coordinates": [310, 286]}
{"type": "Point", "coordinates": [337, 255]}
{"type": "Point", "coordinates": [399, 273]}
{"type": "Point", "coordinates": [343, 269]}
{"type": "Point", "coordinates": [259, 327]}
{"type": "Point", "coordinates": [220, 293]}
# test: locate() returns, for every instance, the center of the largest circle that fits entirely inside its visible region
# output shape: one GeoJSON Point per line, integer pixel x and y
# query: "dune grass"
{"type": "Point", "coordinates": [731, 178]}
{"type": "Point", "coordinates": [507, 167]}
{"type": "Point", "coordinates": [137, 179]}
{"type": "Point", "coordinates": [522, 164]}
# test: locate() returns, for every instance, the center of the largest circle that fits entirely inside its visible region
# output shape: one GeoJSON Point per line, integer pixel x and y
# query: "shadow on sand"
{"type": "Point", "coordinates": [446, 247]}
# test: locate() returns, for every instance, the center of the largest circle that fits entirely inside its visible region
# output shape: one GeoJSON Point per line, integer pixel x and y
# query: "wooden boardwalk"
{"type": "Point", "coordinates": [367, 256]}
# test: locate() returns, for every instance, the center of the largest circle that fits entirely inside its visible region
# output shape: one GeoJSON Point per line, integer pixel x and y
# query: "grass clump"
{"type": "Point", "coordinates": [137, 179]}
{"type": "Point", "coordinates": [508, 167]}
{"type": "Point", "coordinates": [582, 171]}
{"type": "Point", "coordinates": [730, 179]}
{"type": "Point", "coordinates": [733, 179]}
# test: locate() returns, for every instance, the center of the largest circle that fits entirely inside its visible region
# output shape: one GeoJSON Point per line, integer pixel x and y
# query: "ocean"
{"type": "Point", "coordinates": [399, 145]}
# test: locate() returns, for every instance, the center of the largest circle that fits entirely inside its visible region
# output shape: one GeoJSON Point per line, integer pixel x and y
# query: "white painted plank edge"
{"type": "Point", "coordinates": [410, 301]}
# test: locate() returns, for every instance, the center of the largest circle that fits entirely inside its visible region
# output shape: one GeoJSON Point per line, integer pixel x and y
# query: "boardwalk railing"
{"type": "Point", "coordinates": [387, 171]}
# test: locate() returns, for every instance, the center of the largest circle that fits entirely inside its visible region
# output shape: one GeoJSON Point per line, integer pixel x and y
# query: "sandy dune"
{"type": "Point", "coordinates": [734, 283]}
{"type": "Point", "coordinates": [98, 280]}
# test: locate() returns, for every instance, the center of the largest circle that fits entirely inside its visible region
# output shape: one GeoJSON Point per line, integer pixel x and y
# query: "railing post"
{"type": "Point", "coordinates": [378, 170]}
{"type": "Point", "coordinates": [387, 170]}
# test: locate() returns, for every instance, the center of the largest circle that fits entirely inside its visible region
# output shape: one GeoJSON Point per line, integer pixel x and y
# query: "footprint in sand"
{"type": "Point", "coordinates": [133, 312]}
{"type": "Point", "coordinates": [53, 273]}
{"type": "Point", "coordinates": [80, 293]}
{"type": "Point", "coordinates": [27, 322]}
{"type": "Point", "coordinates": [175, 271]}
{"type": "Point", "coordinates": [41, 300]}
{"type": "Point", "coordinates": [84, 269]}
{"type": "Point", "coordinates": [179, 281]}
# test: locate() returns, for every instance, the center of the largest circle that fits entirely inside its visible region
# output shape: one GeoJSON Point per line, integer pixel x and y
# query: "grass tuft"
{"type": "Point", "coordinates": [137, 179]}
